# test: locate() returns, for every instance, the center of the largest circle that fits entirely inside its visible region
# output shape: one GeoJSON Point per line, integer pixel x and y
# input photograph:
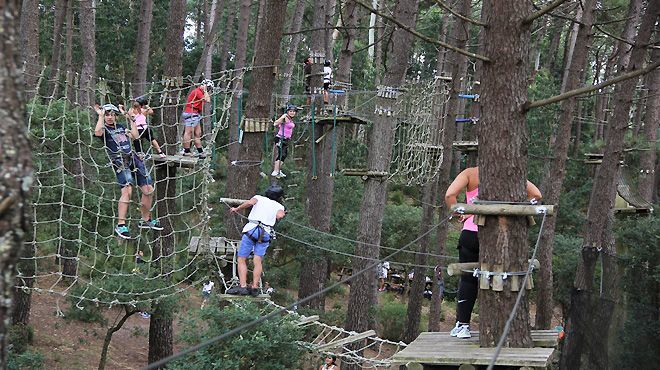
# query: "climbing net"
{"type": "Point", "coordinates": [73, 250]}
{"type": "Point", "coordinates": [421, 115]}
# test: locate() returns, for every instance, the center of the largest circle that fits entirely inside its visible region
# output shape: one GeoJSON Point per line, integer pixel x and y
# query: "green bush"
{"type": "Point", "coordinates": [27, 360]}
{"type": "Point", "coordinates": [391, 317]}
{"type": "Point", "coordinates": [20, 336]}
{"type": "Point", "coordinates": [89, 313]}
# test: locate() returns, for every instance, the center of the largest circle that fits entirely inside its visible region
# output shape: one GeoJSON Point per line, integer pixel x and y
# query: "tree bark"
{"type": "Point", "coordinates": [54, 75]}
{"type": "Point", "coordinates": [87, 83]}
{"type": "Point", "coordinates": [204, 64]}
{"type": "Point", "coordinates": [378, 47]}
{"type": "Point", "coordinates": [363, 289]}
{"type": "Point", "coordinates": [15, 164]}
{"type": "Point", "coordinates": [329, 23]}
{"type": "Point", "coordinates": [647, 159]}
{"type": "Point", "coordinates": [602, 106]}
{"type": "Point", "coordinates": [554, 176]}
{"type": "Point", "coordinates": [139, 85]}
{"type": "Point", "coordinates": [228, 34]}
{"type": "Point", "coordinates": [503, 172]}
{"type": "Point", "coordinates": [30, 50]}
{"type": "Point", "coordinates": [161, 334]}
{"type": "Point", "coordinates": [69, 93]}
{"type": "Point", "coordinates": [292, 51]}
{"type": "Point", "coordinates": [590, 337]}
{"type": "Point", "coordinates": [108, 336]}
{"type": "Point", "coordinates": [556, 29]}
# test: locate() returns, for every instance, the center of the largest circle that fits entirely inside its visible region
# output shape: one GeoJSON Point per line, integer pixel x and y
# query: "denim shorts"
{"type": "Point", "coordinates": [125, 176]}
{"type": "Point", "coordinates": [249, 245]}
{"type": "Point", "coordinates": [191, 119]}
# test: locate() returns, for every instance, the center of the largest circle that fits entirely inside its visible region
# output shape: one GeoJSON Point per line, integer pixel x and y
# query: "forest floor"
{"type": "Point", "coordinates": [71, 344]}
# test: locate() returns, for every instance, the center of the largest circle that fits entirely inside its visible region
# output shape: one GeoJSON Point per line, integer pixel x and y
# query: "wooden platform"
{"type": "Point", "coordinates": [177, 160]}
{"type": "Point", "coordinates": [343, 119]}
{"type": "Point", "coordinates": [440, 349]}
{"type": "Point", "coordinates": [466, 146]}
{"type": "Point", "coordinates": [232, 297]}
{"type": "Point", "coordinates": [217, 245]}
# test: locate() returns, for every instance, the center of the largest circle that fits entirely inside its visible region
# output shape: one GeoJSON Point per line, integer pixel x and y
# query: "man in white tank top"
{"type": "Point", "coordinates": [257, 234]}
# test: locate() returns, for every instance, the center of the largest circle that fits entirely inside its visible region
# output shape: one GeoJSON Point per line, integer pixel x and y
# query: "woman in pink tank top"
{"type": "Point", "coordinates": [283, 132]}
{"type": "Point", "coordinates": [138, 113]}
{"type": "Point", "coordinates": [468, 245]}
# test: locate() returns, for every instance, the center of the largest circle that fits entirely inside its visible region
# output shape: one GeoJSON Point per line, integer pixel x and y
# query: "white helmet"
{"type": "Point", "coordinates": [208, 83]}
{"type": "Point", "coordinates": [110, 107]}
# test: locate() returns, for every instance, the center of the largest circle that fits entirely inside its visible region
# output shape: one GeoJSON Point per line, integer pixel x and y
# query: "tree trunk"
{"type": "Point", "coordinates": [30, 45]}
{"type": "Point", "coordinates": [378, 47]}
{"type": "Point", "coordinates": [161, 334]}
{"type": "Point", "coordinates": [590, 337]}
{"type": "Point", "coordinates": [87, 83]}
{"type": "Point", "coordinates": [503, 172]}
{"type": "Point", "coordinates": [204, 64]}
{"type": "Point", "coordinates": [54, 76]}
{"type": "Point", "coordinates": [329, 23]}
{"type": "Point", "coordinates": [601, 110]}
{"type": "Point", "coordinates": [228, 34]}
{"type": "Point", "coordinates": [363, 288]}
{"type": "Point", "coordinates": [15, 164]}
{"type": "Point", "coordinates": [556, 29]}
{"type": "Point", "coordinates": [554, 176]}
{"type": "Point", "coordinates": [69, 92]}
{"type": "Point", "coordinates": [109, 333]}
{"type": "Point", "coordinates": [234, 180]}
{"type": "Point", "coordinates": [292, 51]}
{"type": "Point", "coordinates": [139, 86]}
{"type": "Point", "coordinates": [647, 159]}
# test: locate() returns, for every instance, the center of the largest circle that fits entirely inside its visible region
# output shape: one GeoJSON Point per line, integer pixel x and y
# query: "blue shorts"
{"type": "Point", "coordinates": [125, 176]}
{"type": "Point", "coordinates": [191, 119]}
{"type": "Point", "coordinates": [250, 242]}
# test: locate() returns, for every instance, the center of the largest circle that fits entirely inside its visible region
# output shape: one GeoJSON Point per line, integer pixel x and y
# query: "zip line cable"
{"type": "Point", "coordinates": [253, 323]}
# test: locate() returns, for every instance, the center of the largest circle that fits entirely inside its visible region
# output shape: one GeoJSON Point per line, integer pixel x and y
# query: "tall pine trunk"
{"type": "Point", "coordinates": [648, 158]}
{"type": "Point", "coordinates": [292, 50]}
{"type": "Point", "coordinates": [589, 316]}
{"type": "Point", "coordinates": [554, 177]}
{"type": "Point", "coordinates": [87, 83]}
{"type": "Point", "coordinates": [53, 78]}
{"type": "Point", "coordinates": [161, 333]}
{"type": "Point", "coordinates": [30, 45]}
{"type": "Point", "coordinates": [69, 92]}
{"type": "Point", "coordinates": [15, 164]}
{"type": "Point", "coordinates": [228, 35]}
{"type": "Point", "coordinates": [139, 85]}
{"type": "Point", "coordinates": [503, 167]}
{"type": "Point", "coordinates": [362, 297]}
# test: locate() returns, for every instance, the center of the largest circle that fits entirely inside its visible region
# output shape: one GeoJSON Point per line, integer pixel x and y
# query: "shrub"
{"type": "Point", "coordinates": [391, 317]}
{"type": "Point", "coordinates": [27, 360]}
{"type": "Point", "coordinates": [20, 336]}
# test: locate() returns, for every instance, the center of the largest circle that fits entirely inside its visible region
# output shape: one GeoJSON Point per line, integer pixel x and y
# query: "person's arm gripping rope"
{"type": "Point", "coordinates": [98, 129]}
{"type": "Point", "coordinates": [244, 205]}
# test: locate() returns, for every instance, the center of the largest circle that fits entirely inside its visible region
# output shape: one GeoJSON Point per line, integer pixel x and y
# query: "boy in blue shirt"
{"type": "Point", "coordinates": [128, 167]}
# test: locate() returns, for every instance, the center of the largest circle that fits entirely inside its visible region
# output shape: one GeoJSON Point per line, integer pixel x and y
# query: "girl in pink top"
{"type": "Point", "coordinates": [138, 113]}
{"type": "Point", "coordinates": [468, 245]}
{"type": "Point", "coordinates": [283, 131]}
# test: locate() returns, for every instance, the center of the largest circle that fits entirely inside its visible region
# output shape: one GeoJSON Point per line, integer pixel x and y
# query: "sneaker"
{"type": "Point", "coordinates": [162, 155]}
{"type": "Point", "coordinates": [200, 155]}
{"type": "Point", "coordinates": [456, 329]}
{"type": "Point", "coordinates": [238, 291]}
{"type": "Point", "coordinates": [281, 174]}
{"type": "Point", "coordinates": [122, 231]}
{"type": "Point", "coordinates": [254, 291]}
{"type": "Point", "coordinates": [150, 224]}
{"type": "Point", "coordinates": [464, 333]}
{"type": "Point", "coordinates": [275, 173]}
{"type": "Point", "coordinates": [185, 154]}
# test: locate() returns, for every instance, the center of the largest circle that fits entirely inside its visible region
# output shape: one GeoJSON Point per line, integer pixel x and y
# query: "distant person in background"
{"type": "Point", "coordinates": [330, 363]}
{"type": "Point", "coordinates": [268, 289]}
{"type": "Point", "coordinates": [192, 118]}
{"type": "Point", "coordinates": [283, 132]}
{"type": "Point", "coordinates": [206, 292]}
{"type": "Point", "coordinates": [468, 245]}
{"type": "Point", "coordinates": [327, 80]}
{"type": "Point", "coordinates": [383, 268]}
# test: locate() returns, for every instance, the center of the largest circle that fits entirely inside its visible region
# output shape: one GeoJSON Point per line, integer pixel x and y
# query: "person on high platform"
{"type": "Point", "coordinates": [468, 245]}
{"type": "Point", "coordinates": [192, 118]}
{"type": "Point", "coordinates": [283, 131]}
{"type": "Point", "coordinates": [257, 234]}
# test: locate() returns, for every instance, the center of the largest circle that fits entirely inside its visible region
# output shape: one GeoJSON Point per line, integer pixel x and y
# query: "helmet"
{"type": "Point", "coordinates": [274, 192]}
{"type": "Point", "coordinates": [291, 107]}
{"type": "Point", "coordinates": [208, 83]}
{"type": "Point", "coordinates": [110, 107]}
{"type": "Point", "coordinates": [327, 63]}
{"type": "Point", "coordinates": [142, 100]}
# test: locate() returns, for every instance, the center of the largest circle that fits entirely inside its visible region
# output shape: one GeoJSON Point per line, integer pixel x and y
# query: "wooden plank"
{"type": "Point", "coordinates": [177, 160]}
{"type": "Point", "coordinates": [232, 297]}
{"type": "Point", "coordinates": [233, 202]}
{"type": "Point", "coordinates": [307, 320]}
{"type": "Point", "coordinates": [498, 281]}
{"type": "Point", "coordinates": [502, 209]}
{"type": "Point", "coordinates": [484, 282]}
{"type": "Point", "coordinates": [217, 245]}
{"type": "Point", "coordinates": [540, 338]}
{"type": "Point", "coordinates": [456, 356]}
{"type": "Point", "coordinates": [347, 340]}
{"type": "Point", "coordinates": [323, 136]}
{"type": "Point", "coordinates": [458, 268]}
{"type": "Point", "coordinates": [363, 173]}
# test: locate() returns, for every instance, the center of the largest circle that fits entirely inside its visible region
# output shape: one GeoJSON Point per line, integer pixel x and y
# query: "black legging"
{"type": "Point", "coordinates": [281, 150]}
{"type": "Point", "coordinates": [468, 286]}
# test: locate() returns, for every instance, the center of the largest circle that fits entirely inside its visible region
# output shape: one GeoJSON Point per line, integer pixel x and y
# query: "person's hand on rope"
{"type": "Point", "coordinates": [98, 110]}
{"type": "Point", "coordinates": [233, 209]}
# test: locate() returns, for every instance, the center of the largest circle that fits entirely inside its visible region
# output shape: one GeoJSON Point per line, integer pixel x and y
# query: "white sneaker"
{"type": "Point", "coordinates": [464, 333]}
{"type": "Point", "coordinates": [275, 173]}
{"type": "Point", "coordinates": [281, 174]}
{"type": "Point", "coordinates": [456, 329]}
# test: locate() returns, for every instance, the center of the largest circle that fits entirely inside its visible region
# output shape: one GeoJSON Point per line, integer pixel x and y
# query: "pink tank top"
{"type": "Point", "coordinates": [141, 121]}
{"type": "Point", "coordinates": [469, 223]}
{"type": "Point", "coordinates": [286, 129]}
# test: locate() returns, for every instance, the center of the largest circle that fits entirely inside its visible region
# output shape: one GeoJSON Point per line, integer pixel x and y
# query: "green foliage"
{"type": "Point", "coordinates": [639, 339]}
{"type": "Point", "coordinates": [390, 318]}
{"type": "Point", "coordinates": [253, 348]}
{"type": "Point", "coordinates": [334, 316]}
{"type": "Point", "coordinates": [20, 336]}
{"type": "Point", "coordinates": [564, 262]}
{"type": "Point", "coordinates": [27, 360]}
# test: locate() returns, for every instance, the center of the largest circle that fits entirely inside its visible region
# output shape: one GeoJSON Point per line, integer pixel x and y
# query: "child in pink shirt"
{"type": "Point", "coordinates": [284, 129]}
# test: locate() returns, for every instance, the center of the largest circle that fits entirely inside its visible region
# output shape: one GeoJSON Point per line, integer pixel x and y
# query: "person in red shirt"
{"type": "Point", "coordinates": [192, 117]}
